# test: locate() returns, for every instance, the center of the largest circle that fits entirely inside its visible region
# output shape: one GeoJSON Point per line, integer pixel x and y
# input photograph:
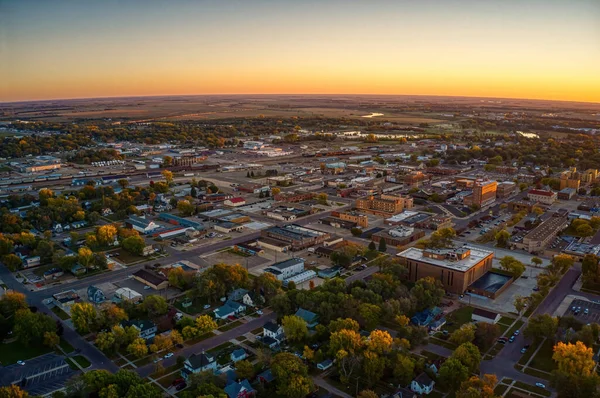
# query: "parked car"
{"type": "Point", "coordinates": [158, 359]}
{"type": "Point", "coordinates": [523, 350]}
{"type": "Point", "coordinates": [512, 339]}
{"type": "Point", "coordinates": [586, 311]}
{"type": "Point", "coordinates": [259, 312]}
{"type": "Point", "coordinates": [178, 381]}
{"type": "Point", "coordinates": [540, 385]}
{"type": "Point", "coordinates": [206, 306]}
{"type": "Point", "coordinates": [21, 363]}
{"type": "Point", "coordinates": [147, 287]}
{"type": "Point", "coordinates": [517, 332]}
{"type": "Point", "coordinates": [169, 355]}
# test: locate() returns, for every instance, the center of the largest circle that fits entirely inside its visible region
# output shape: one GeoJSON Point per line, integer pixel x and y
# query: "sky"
{"type": "Point", "coordinates": [542, 49]}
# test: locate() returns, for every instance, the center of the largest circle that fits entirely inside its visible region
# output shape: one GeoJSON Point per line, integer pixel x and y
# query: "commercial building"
{"type": "Point", "coordinates": [483, 194]}
{"type": "Point", "coordinates": [542, 196]}
{"type": "Point", "coordinates": [141, 224]}
{"type": "Point", "coordinates": [40, 167]}
{"type": "Point", "coordinates": [253, 145]}
{"type": "Point", "coordinates": [566, 194]}
{"type": "Point", "coordinates": [359, 219]}
{"type": "Point", "coordinates": [589, 176]}
{"type": "Point", "coordinates": [188, 159]}
{"type": "Point", "coordinates": [455, 268]}
{"type": "Point", "coordinates": [186, 222]}
{"type": "Point", "coordinates": [294, 197]}
{"type": "Point", "coordinates": [578, 250]}
{"type": "Point", "coordinates": [505, 189]}
{"type": "Point", "coordinates": [286, 269]}
{"type": "Point", "coordinates": [398, 236]}
{"type": "Point", "coordinates": [543, 234]}
{"type": "Point", "coordinates": [570, 179]}
{"type": "Point", "coordinates": [151, 279]}
{"type": "Point", "coordinates": [416, 179]}
{"type": "Point", "coordinates": [384, 205]}
{"type": "Point", "coordinates": [296, 236]}
{"type": "Point", "coordinates": [235, 202]}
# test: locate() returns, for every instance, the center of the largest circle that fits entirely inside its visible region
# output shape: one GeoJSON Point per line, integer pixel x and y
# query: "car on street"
{"type": "Point", "coordinates": [21, 363]}
{"type": "Point", "coordinates": [586, 311]}
{"type": "Point", "coordinates": [517, 332]}
{"type": "Point", "coordinates": [512, 339]}
{"type": "Point", "coordinates": [540, 385]}
{"type": "Point", "coordinates": [259, 312]}
{"type": "Point", "coordinates": [158, 359]}
{"type": "Point", "coordinates": [169, 355]}
{"type": "Point", "coordinates": [523, 350]}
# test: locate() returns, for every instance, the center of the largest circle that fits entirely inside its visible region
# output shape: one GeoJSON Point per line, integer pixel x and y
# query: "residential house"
{"type": "Point", "coordinates": [246, 297]}
{"type": "Point", "coordinates": [326, 364]}
{"type": "Point", "coordinates": [230, 308]}
{"type": "Point", "coordinates": [78, 269]}
{"type": "Point", "coordinates": [146, 327]}
{"type": "Point", "coordinates": [404, 393]}
{"type": "Point", "coordinates": [272, 334]}
{"type": "Point", "coordinates": [425, 317]}
{"type": "Point", "coordinates": [480, 315]}
{"type": "Point", "coordinates": [95, 295]}
{"type": "Point", "coordinates": [197, 363]}
{"type": "Point", "coordinates": [238, 355]}
{"type": "Point", "coordinates": [243, 389]}
{"type": "Point", "coordinates": [265, 377]}
{"type": "Point", "coordinates": [155, 281]}
{"type": "Point", "coordinates": [422, 384]}
{"type": "Point", "coordinates": [310, 318]}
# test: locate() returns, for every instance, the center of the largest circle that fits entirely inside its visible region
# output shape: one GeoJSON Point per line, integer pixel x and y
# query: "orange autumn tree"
{"type": "Point", "coordinates": [574, 359]}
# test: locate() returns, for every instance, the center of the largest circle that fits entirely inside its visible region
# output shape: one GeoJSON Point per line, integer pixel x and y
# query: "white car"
{"type": "Point", "coordinates": [169, 355]}
{"type": "Point", "coordinates": [158, 359]}
{"type": "Point", "coordinates": [206, 306]}
{"type": "Point", "coordinates": [147, 287]}
{"type": "Point", "coordinates": [540, 385]}
{"type": "Point", "coordinates": [259, 312]}
{"type": "Point", "coordinates": [21, 363]}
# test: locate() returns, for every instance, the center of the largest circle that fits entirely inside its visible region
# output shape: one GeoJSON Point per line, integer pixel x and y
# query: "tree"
{"type": "Point", "coordinates": [367, 394]}
{"type": "Point", "coordinates": [453, 373]}
{"type": "Point", "coordinates": [574, 359]}
{"type": "Point", "coordinates": [373, 366]}
{"type": "Point", "coordinates": [244, 369]}
{"type": "Point", "coordinates": [205, 324]}
{"type": "Point", "coordinates": [369, 314]}
{"type": "Point", "coordinates": [11, 302]}
{"type": "Point", "coordinates": [441, 239]}
{"type": "Point", "coordinates": [562, 263]}
{"type": "Point", "coordinates": [322, 199]}
{"type": "Point", "coordinates": [266, 285]}
{"type": "Point", "coordinates": [520, 303]}
{"type": "Point", "coordinates": [478, 388]}
{"type": "Point", "coordinates": [12, 262]}
{"type": "Point", "coordinates": [83, 315]}
{"type": "Point", "coordinates": [111, 315]}
{"type": "Point", "coordinates": [155, 305]}
{"type": "Point", "coordinates": [502, 238]}
{"type": "Point", "coordinates": [134, 244]}
{"type": "Point", "coordinates": [372, 246]}
{"type": "Point", "coordinates": [540, 327]}
{"type": "Point", "coordinates": [485, 335]}
{"type": "Point", "coordinates": [427, 292]}
{"type": "Point", "coordinates": [291, 376]}
{"type": "Point", "coordinates": [512, 265]}
{"type": "Point", "coordinates": [30, 327]}
{"type": "Point", "coordinates": [13, 391]}
{"type": "Point", "coordinates": [84, 256]}
{"type": "Point", "coordinates": [536, 261]}
{"type": "Point", "coordinates": [185, 208]}
{"type": "Point", "coordinates": [468, 355]}
{"type": "Point", "coordinates": [106, 342]}
{"type": "Point", "coordinates": [404, 369]}
{"type": "Point", "coordinates": [346, 346]}
{"type": "Point", "coordinates": [51, 339]}
{"type": "Point", "coordinates": [105, 234]}
{"type": "Point", "coordinates": [465, 334]}
{"type": "Point", "coordinates": [168, 176]}
{"type": "Point", "coordinates": [379, 341]}
{"type": "Point", "coordinates": [275, 191]}
{"type": "Point", "coordinates": [589, 268]}
{"type": "Point", "coordinates": [294, 327]}
{"type": "Point", "coordinates": [138, 348]}
{"type": "Point", "coordinates": [382, 246]}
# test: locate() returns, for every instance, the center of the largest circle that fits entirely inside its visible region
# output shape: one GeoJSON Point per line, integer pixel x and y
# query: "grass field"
{"type": "Point", "coordinates": [15, 351]}
{"type": "Point", "coordinates": [543, 359]}
{"type": "Point", "coordinates": [82, 361]}
{"type": "Point", "coordinates": [67, 348]}
{"type": "Point", "coordinates": [459, 317]}
{"type": "Point", "coordinates": [60, 313]}
{"type": "Point", "coordinates": [230, 326]}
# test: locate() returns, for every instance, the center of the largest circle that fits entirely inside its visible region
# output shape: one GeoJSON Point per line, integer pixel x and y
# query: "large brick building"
{"type": "Point", "coordinates": [484, 193]}
{"type": "Point", "coordinates": [570, 179]}
{"type": "Point", "coordinates": [455, 268]}
{"type": "Point", "coordinates": [384, 205]}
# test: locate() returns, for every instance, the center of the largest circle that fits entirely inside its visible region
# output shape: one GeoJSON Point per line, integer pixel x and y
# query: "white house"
{"type": "Point", "coordinates": [480, 315]}
{"type": "Point", "coordinates": [197, 363]}
{"type": "Point", "coordinates": [272, 334]}
{"type": "Point", "coordinates": [286, 269]}
{"type": "Point", "coordinates": [235, 202]}
{"type": "Point", "coordinates": [422, 384]}
{"type": "Point", "coordinates": [141, 224]}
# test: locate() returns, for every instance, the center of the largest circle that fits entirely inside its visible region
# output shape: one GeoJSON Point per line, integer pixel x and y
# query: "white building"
{"type": "Point", "coordinates": [286, 269]}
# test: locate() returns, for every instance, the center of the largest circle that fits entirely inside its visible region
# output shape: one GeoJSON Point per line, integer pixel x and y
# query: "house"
{"type": "Point", "coordinates": [146, 327]}
{"type": "Point", "coordinates": [230, 308]}
{"type": "Point", "coordinates": [155, 281]}
{"type": "Point", "coordinates": [238, 355]}
{"type": "Point", "coordinates": [95, 295]}
{"type": "Point", "coordinates": [480, 315]}
{"type": "Point", "coordinates": [78, 269]}
{"type": "Point", "coordinates": [243, 295]}
{"type": "Point", "coordinates": [265, 377]}
{"type": "Point", "coordinates": [237, 294]}
{"type": "Point", "coordinates": [243, 389]}
{"type": "Point", "coordinates": [272, 334]}
{"type": "Point", "coordinates": [437, 325]}
{"type": "Point", "coordinates": [326, 364]}
{"type": "Point", "coordinates": [235, 202]}
{"type": "Point", "coordinates": [422, 384]}
{"type": "Point", "coordinates": [425, 317]}
{"type": "Point", "coordinates": [310, 318]}
{"type": "Point", "coordinates": [404, 393]}
{"type": "Point", "coordinates": [197, 363]}
{"type": "Point", "coordinates": [141, 224]}
{"type": "Point", "coordinates": [31, 261]}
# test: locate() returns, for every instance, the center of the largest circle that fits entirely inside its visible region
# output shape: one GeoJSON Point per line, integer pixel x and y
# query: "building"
{"type": "Point", "coordinates": [422, 384]}
{"type": "Point", "coordinates": [455, 268]}
{"type": "Point", "coordinates": [570, 179]}
{"type": "Point", "coordinates": [64, 300]}
{"type": "Point", "coordinates": [310, 318]}
{"type": "Point", "coordinates": [229, 309]}
{"type": "Point", "coordinates": [589, 176]}
{"type": "Point", "coordinates": [141, 224]}
{"type": "Point", "coordinates": [286, 269]}
{"type": "Point", "coordinates": [384, 205]}
{"type": "Point", "coordinates": [542, 196]}
{"type": "Point", "coordinates": [505, 189]}
{"type": "Point", "coordinates": [235, 202]}
{"type": "Point", "coordinates": [272, 334]}
{"type": "Point", "coordinates": [542, 235]}
{"type": "Point", "coordinates": [95, 295]}
{"type": "Point", "coordinates": [398, 236]}
{"type": "Point", "coordinates": [481, 315]}
{"type": "Point", "coordinates": [185, 222]}
{"type": "Point", "coordinates": [483, 194]}
{"type": "Point", "coordinates": [253, 145]}
{"type": "Point", "coordinates": [434, 222]}
{"type": "Point", "coordinates": [125, 293]}
{"type": "Point", "coordinates": [360, 220]}
{"type": "Point", "coordinates": [324, 365]}
{"type": "Point", "coordinates": [155, 281]}
{"type": "Point", "coordinates": [238, 355]}
{"type": "Point", "coordinates": [241, 389]}
{"type": "Point", "coordinates": [294, 197]}
{"type": "Point", "coordinates": [40, 167]}
{"type": "Point", "coordinates": [197, 363]}
{"type": "Point", "coordinates": [415, 179]}
{"type": "Point", "coordinates": [188, 159]}
{"type": "Point", "coordinates": [146, 327]}
{"type": "Point", "coordinates": [578, 250]}
{"type": "Point", "coordinates": [295, 236]}
{"type": "Point", "coordinates": [566, 194]}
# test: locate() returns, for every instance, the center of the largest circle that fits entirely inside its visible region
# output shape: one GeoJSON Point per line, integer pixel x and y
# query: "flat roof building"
{"type": "Point", "coordinates": [543, 234]}
{"type": "Point", "coordinates": [456, 268]}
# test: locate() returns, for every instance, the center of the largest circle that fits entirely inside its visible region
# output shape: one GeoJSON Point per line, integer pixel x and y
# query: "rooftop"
{"type": "Point", "coordinates": [476, 256]}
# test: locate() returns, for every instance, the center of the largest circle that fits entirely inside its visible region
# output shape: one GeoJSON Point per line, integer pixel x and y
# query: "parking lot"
{"type": "Point", "coordinates": [578, 309]}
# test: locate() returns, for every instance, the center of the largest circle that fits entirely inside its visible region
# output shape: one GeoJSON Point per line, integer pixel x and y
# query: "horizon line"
{"type": "Point", "coordinates": [293, 94]}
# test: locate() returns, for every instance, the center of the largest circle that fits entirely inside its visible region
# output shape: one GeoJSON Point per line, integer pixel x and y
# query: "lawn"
{"type": "Point", "coordinates": [60, 313]}
{"type": "Point", "coordinates": [67, 348]}
{"type": "Point", "coordinates": [230, 326]}
{"type": "Point", "coordinates": [82, 361]}
{"type": "Point", "coordinates": [543, 359]}
{"type": "Point", "coordinates": [168, 380]}
{"type": "Point", "coordinates": [220, 348]}
{"type": "Point", "coordinates": [533, 389]}
{"type": "Point", "coordinates": [238, 253]}
{"type": "Point", "coordinates": [431, 355]}
{"type": "Point", "coordinates": [128, 258]}
{"type": "Point", "coordinates": [166, 371]}
{"type": "Point", "coordinates": [506, 320]}
{"type": "Point", "coordinates": [499, 390]}
{"type": "Point", "coordinates": [200, 338]}
{"type": "Point", "coordinates": [15, 351]}
{"type": "Point", "coordinates": [196, 307]}
{"type": "Point", "coordinates": [516, 326]}
{"type": "Point", "coordinates": [71, 364]}
{"type": "Point", "coordinates": [458, 318]}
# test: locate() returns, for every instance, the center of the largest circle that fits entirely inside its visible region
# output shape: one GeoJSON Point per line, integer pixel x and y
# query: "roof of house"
{"type": "Point", "coordinates": [267, 376]}
{"type": "Point", "coordinates": [238, 353]}
{"type": "Point", "coordinates": [150, 277]}
{"type": "Point", "coordinates": [142, 325]}
{"type": "Point", "coordinates": [308, 316]}
{"type": "Point", "coordinates": [92, 290]}
{"type": "Point", "coordinates": [139, 221]}
{"type": "Point", "coordinates": [272, 326]}
{"type": "Point", "coordinates": [200, 360]}
{"type": "Point", "coordinates": [234, 304]}
{"type": "Point", "coordinates": [541, 192]}
{"type": "Point", "coordinates": [424, 379]}
{"type": "Point", "coordinates": [233, 390]}
{"type": "Point", "coordinates": [269, 341]}
{"type": "Point", "coordinates": [485, 313]}
{"type": "Point", "coordinates": [224, 311]}
{"type": "Point", "coordinates": [237, 200]}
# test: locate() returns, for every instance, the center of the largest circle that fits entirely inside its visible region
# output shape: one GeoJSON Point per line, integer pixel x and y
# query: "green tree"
{"type": "Point", "coordinates": [372, 246]}
{"type": "Point", "coordinates": [427, 292]}
{"type": "Point", "coordinates": [465, 334]}
{"type": "Point", "coordinates": [468, 354]}
{"type": "Point", "coordinates": [512, 265]}
{"type": "Point", "coordinates": [291, 376]}
{"type": "Point", "coordinates": [12, 262]}
{"type": "Point", "coordinates": [294, 327]}
{"type": "Point", "coordinates": [30, 327]}
{"type": "Point", "coordinates": [453, 373]}
{"type": "Point", "coordinates": [138, 348]}
{"type": "Point", "coordinates": [502, 238]}
{"type": "Point", "coordinates": [244, 369]}
{"type": "Point", "coordinates": [382, 246]}
{"type": "Point", "coordinates": [84, 317]}
{"type": "Point", "coordinates": [540, 327]}
{"type": "Point", "coordinates": [404, 369]}
{"type": "Point", "coordinates": [155, 306]}
{"type": "Point", "coordinates": [134, 244]}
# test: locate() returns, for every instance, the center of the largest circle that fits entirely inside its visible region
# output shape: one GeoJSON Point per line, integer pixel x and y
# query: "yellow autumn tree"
{"type": "Point", "coordinates": [106, 234]}
{"type": "Point", "coordinates": [379, 341]}
{"type": "Point", "coordinates": [574, 359]}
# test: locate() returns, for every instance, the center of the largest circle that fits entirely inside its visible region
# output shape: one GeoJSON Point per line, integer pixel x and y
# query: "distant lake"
{"type": "Point", "coordinates": [373, 114]}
